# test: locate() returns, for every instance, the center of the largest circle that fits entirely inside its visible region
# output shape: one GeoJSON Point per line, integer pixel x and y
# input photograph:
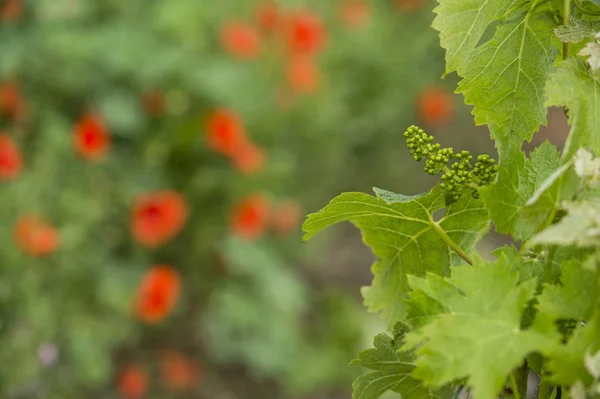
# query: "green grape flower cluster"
{"type": "Point", "coordinates": [458, 173]}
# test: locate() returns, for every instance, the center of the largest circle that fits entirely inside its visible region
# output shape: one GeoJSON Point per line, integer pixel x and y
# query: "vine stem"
{"type": "Point", "coordinates": [566, 22]}
{"type": "Point", "coordinates": [458, 392]}
{"type": "Point", "coordinates": [515, 388]}
{"type": "Point", "coordinates": [451, 243]}
{"type": "Point", "coordinates": [544, 390]}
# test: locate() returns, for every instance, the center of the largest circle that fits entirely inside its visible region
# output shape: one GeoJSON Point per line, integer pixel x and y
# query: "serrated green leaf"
{"type": "Point", "coordinates": [518, 179]}
{"type": "Point", "coordinates": [575, 296]}
{"type": "Point", "coordinates": [420, 308]}
{"type": "Point", "coordinates": [462, 23]}
{"type": "Point", "coordinates": [392, 370]}
{"type": "Point", "coordinates": [504, 78]}
{"type": "Point", "coordinates": [572, 86]}
{"type": "Point", "coordinates": [480, 337]}
{"type": "Point", "coordinates": [567, 362]}
{"type": "Point", "coordinates": [405, 237]}
{"type": "Point", "coordinates": [580, 227]}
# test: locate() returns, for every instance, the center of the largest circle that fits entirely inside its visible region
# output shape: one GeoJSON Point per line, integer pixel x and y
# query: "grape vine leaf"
{"type": "Point", "coordinates": [572, 86]}
{"type": "Point", "coordinates": [462, 23]}
{"type": "Point", "coordinates": [581, 226]}
{"type": "Point", "coordinates": [567, 362]}
{"type": "Point", "coordinates": [505, 77]}
{"type": "Point", "coordinates": [391, 371]}
{"type": "Point", "coordinates": [518, 179]}
{"type": "Point", "coordinates": [403, 234]}
{"type": "Point", "coordinates": [480, 336]}
{"type": "Point", "coordinates": [574, 297]}
{"type": "Point", "coordinates": [420, 308]}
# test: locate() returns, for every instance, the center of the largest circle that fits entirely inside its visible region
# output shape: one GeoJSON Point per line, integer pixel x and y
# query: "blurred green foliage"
{"type": "Point", "coordinates": [248, 304]}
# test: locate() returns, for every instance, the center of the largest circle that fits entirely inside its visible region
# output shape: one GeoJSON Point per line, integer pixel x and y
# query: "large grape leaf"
{"type": "Point", "coordinates": [406, 238]}
{"type": "Point", "coordinates": [566, 362]}
{"type": "Point", "coordinates": [580, 227]}
{"type": "Point", "coordinates": [575, 296]}
{"type": "Point", "coordinates": [505, 77]}
{"type": "Point", "coordinates": [518, 179]}
{"type": "Point", "coordinates": [479, 337]}
{"type": "Point", "coordinates": [462, 23]}
{"type": "Point", "coordinates": [391, 371]}
{"type": "Point", "coordinates": [571, 85]}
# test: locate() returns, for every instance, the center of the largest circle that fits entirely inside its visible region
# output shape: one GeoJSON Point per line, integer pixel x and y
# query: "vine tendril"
{"type": "Point", "coordinates": [585, 10]}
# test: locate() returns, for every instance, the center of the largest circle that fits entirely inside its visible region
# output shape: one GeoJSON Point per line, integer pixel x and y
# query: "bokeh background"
{"type": "Point", "coordinates": [157, 158]}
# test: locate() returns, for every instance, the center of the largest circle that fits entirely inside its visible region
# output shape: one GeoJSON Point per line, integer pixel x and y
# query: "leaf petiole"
{"type": "Point", "coordinates": [514, 386]}
{"type": "Point", "coordinates": [451, 243]}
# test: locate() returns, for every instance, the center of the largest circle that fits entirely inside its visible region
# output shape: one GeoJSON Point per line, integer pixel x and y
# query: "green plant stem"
{"type": "Point", "coordinates": [515, 387]}
{"type": "Point", "coordinates": [544, 390]}
{"type": "Point", "coordinates": [566, 22]}
{"type": "Point", "coordinates": [458, 391]}
{"type": "Point", "coordinates": [451, 243]}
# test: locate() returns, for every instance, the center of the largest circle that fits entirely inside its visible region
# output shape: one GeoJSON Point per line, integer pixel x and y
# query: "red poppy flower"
{"type": "Point", "coordinates": [303, 76]}
{"type": "Point", "coordinates": [285, 216]}
{"type": "Point", "coordinates": [157, 294]}
{"type": "Point", "coordinates": [408, 5]}
{"type": "Point", "coordinates": [35, 237]}
{"type": "Point", "coordinates": [435, 106]}
{"type": "Point", "coordinates": [268, 16]}
{"type": "Point", "coordinates": [250, 216]}
{"type": "Point", "coordinates": [11, 161]}
{"type": "Point", "coordinates": [11, 101]}
{"type": "Point", "coordinates": [241, 40]}
{"type": "Point", "coordinates": [224, 131]}
{"type": "Point", "coordinates": [91, 139]}
{"type": "Point", "coordinates": [153, 103]}
{"type": "Point", "coordinates": [178, 372]}
{"type": "Point", "coordinates": [157, 217]}
{"type": "Point", "coordinates": [354, 13]}
{"type": "Point", "coordinates": [133, 382]}
{"type": "Point", "coordinates": [304, 32]}
{"type": "Point", "coordinates": [11, 10]}
{"type": "Point", "coordinates": [248, 158]}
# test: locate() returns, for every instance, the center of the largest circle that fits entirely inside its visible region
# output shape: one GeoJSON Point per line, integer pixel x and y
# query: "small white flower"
{"type": "Point", "coordinates": [587, 166]}
{"type": "Point", "coordinates": [592, 363]}
{"type": "Point", "coordinates": [592, 51]}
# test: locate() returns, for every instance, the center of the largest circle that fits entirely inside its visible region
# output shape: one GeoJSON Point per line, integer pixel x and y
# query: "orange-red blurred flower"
{"type": "Point", "coordinates": [268, 16]}
{"type": "Point", "coordinates": [157, 217]}
{"type": "Point", "coordinates": [11, 160]}
{"type": "Point", "coordinates": [304, 32]}
{"type": "Point", "coordinates": [157, 294]}
{"type": "Point", "coordinates": [248, 158]}
{"type": "Point", "coordinates": [303, 76]}
{"type": "Point", "coordinates": [354, 13]}
{"type": "Point", "coordinates": [408, 5]}
{"type": "Point", "coordinates": [241, 40]}
{"type": "Point", "coordinates": [153, 102]}
{"type": "Point", "coordinates": [91, 139]}
{"type": "Point", "coordinates": [224, 131]}
{"type": "Point", "coordinates": [285, 216]}
{"type": "Point", "coordinates": [35, 236]}
{"type": "Point", "coordinates": [11, 10]}
{"type": "Point", "coordinates": [435, 106]}
{"type": "Point", "coordinates": [11, 102]}
{"type": "Point", "coordinates": [178, 372]}
{"type": "Point", "coordinates": [133, 382]}
{"type": "Point", "coordinates": [250, 216]}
